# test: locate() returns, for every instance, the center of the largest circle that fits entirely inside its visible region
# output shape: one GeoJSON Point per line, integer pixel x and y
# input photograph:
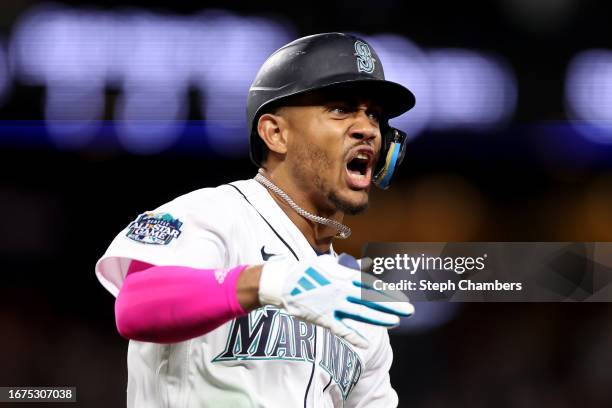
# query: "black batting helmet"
{"type": "Point", "coordinates": [322, 61]}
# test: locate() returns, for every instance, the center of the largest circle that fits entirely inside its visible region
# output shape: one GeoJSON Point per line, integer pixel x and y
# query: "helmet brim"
{"type": "Point", "coordinates": [393, 98]}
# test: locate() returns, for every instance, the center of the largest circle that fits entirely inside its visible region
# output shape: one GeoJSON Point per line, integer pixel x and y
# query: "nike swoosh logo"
{"type": "Point", "coordinates": [265, 255]}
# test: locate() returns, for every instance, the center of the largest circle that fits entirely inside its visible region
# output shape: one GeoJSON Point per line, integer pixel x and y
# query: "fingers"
{"type": "Point", "coordinates": [362, 312]}
{"type": "Point", "coordinates": [335, 294]}
{"type": "Point", "coordinates": [369, 291]}
{"type": "Point", "coordinates": [372, 295]}
{"type": "Point", "coordinates": [343, 330]}
{"type": "Point", "coordinates": [348, 261]}
{"type": "Point", "coordinates": [403, 309]}
{"type": "Point", "coordinates": [395, 303]}
{"type": "Point", "coordinates": [355, 338]}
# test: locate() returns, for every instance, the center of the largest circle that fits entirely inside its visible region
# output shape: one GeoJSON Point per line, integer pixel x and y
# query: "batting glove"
{"type": "Point", "coordinates": [327, 293]}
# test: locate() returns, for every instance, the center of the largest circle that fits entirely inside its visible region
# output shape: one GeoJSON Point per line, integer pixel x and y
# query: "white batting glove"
{"type": "Point", "coordinates": [327, 294]}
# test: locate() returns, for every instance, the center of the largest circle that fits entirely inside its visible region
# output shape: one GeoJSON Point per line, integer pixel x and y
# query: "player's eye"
{"type": "Point", "coordinates": [339, 110]}
{"type": "Point", "coordinates": [374, 115]}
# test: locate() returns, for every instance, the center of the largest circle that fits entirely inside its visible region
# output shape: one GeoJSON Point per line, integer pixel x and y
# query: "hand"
{"type": "Point", "coordinates": [326, 293]}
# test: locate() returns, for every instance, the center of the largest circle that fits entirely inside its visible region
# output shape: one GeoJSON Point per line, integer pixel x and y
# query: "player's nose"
{"type": "Point", "coordinates": [365, 126]}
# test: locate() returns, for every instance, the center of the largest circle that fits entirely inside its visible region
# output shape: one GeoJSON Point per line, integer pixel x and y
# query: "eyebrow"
{"type": "Point", "coordinates": [371, 106]}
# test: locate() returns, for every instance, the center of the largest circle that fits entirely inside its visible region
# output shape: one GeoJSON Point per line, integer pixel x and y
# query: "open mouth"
{"type": "Point", "coordinates": [359, 168]}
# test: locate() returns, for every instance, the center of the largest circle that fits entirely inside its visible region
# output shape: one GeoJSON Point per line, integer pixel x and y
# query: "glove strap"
{"type": "Point", "coordinates": [271, 282]}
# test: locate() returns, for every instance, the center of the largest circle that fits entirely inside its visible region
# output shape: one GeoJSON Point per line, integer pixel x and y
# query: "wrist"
{"type": "Point", "coordinates": [247, 288]}
{"type": "Point", "coordinates": [272, 281]}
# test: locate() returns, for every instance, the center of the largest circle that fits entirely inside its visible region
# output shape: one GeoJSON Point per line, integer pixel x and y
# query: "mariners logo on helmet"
{"type": "Point", "coordinates": [365, 62]}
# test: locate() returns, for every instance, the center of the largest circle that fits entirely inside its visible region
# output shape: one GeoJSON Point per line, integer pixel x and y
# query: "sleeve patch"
{"type": "Point", "coordinates": [154, 228]}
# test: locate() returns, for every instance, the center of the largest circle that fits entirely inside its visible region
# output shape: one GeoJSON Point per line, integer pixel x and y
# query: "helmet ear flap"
{"type": "Point", "coordinates": [391, 155]}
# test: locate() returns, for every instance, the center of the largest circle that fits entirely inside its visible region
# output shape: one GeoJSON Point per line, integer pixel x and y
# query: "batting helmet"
{"type": "Point", "coordinates": [322, 61]}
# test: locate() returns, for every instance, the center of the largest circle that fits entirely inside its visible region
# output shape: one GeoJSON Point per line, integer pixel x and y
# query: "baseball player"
{"type": "Point", "coordinates": [233, 296]}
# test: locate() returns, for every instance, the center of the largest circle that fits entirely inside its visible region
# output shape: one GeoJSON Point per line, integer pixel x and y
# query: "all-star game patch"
{"type": "Point", "coordinates": [157, 229]}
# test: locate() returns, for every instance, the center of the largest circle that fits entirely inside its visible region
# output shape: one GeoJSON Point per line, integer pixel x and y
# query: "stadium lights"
{"type": "Point", "coordinates": [588, 94]}
{"type": "Point", "coordinates": [153, 60]}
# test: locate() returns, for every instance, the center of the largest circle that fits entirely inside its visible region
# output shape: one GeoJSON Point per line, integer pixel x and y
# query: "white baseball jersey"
{"type": "Point", "coordinates": [265, 359]}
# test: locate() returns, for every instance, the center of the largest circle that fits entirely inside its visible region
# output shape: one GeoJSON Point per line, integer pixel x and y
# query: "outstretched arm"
{"type": "Point", "coordinates": [167, 304]}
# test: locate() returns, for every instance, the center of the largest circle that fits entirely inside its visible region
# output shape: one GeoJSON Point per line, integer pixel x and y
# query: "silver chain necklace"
{"type": "Point", "coordinates": [343, 231]}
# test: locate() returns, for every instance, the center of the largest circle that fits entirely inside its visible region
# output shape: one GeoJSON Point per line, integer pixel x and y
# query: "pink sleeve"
{"type": "Point", "coordinates": [169, 304]}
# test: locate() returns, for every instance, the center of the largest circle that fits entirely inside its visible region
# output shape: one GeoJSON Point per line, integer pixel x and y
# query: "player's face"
{"type": "Point", "coordinates": [334, 142]}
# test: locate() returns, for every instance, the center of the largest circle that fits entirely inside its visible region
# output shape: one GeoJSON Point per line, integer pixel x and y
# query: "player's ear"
{"type": "Point", "coordinates": [270, 128]}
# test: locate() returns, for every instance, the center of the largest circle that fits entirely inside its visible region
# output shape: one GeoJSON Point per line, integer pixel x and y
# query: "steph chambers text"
{"type": "Point", "coordinates": [463, 285]}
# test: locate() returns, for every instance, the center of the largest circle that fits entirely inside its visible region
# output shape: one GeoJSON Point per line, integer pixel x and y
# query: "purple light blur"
{"type": "Point", "coordinates": [150, 120]}
{"type": "Point", "coordinates": [470, 90]}
{"type": "Point", "coordinates": [236, 49]}
{"type": "Point", "coordinates": [153, 60]}
{"type": "Point", "coordinates": [588, 94]}
{"type": "Point", "coordinates": [5, 75]}
{"type": "Point", "coordinates": [72, 113]}
{"type": "Point", "coordinates": [406, 64]}
{"type": "Point", "coordinates": [52, 44]}
{"type": "Point", "coordinates": [454, 88]}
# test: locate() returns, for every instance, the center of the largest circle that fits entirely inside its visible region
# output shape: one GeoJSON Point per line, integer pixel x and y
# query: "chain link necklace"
{"type": "Point", "coordinates": [343, 231]}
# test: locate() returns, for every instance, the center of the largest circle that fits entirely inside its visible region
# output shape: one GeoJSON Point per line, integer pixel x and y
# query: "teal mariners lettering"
{"type": "Point", "coordinates": [271, 334]}
{"type": "Point", "coordinates": [341, 362]}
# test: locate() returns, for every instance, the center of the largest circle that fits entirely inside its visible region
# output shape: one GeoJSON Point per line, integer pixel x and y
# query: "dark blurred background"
{"type": "Point", "coordinates": [111, 108]}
